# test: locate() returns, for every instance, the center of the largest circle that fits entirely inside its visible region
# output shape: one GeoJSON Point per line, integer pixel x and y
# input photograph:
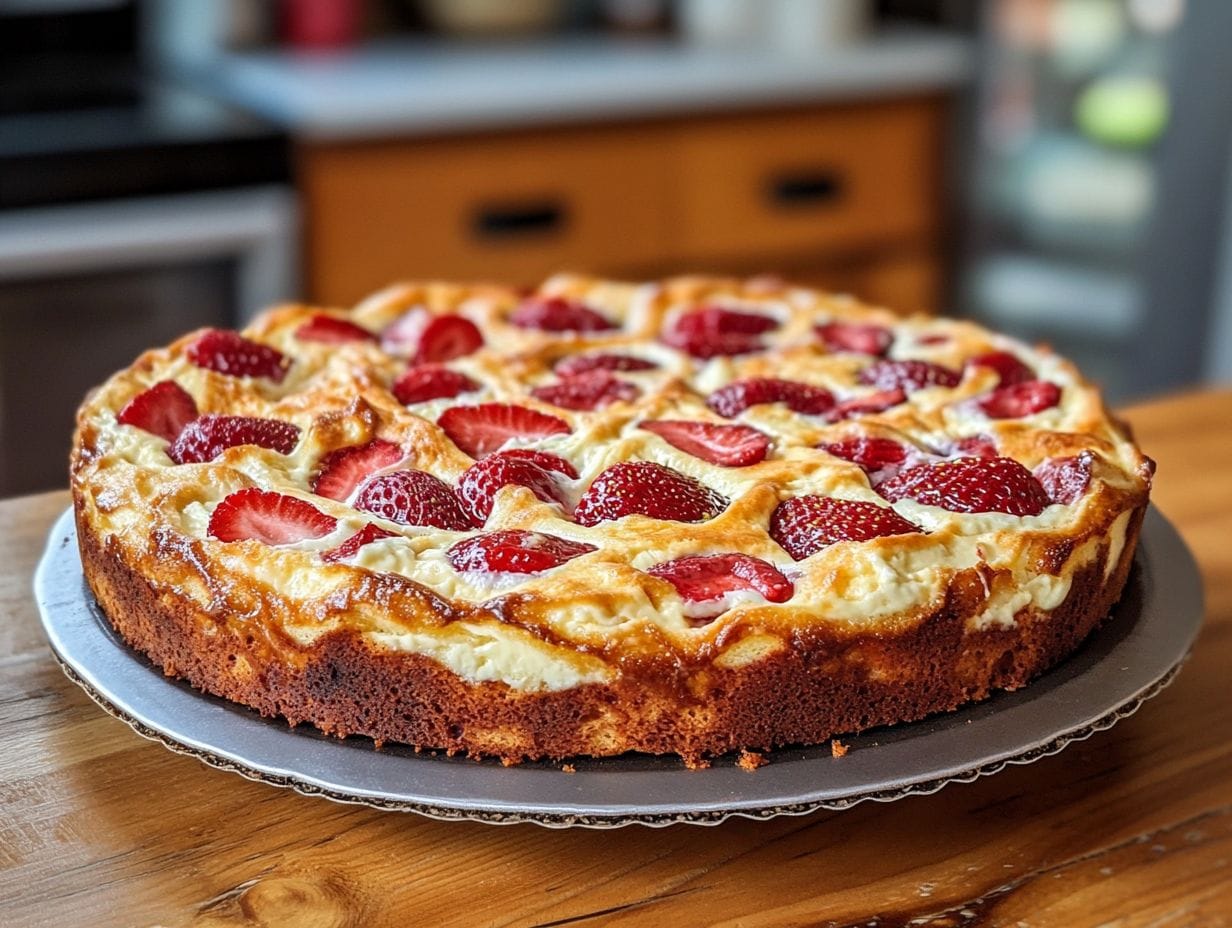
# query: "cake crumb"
{"type": "Point", "coordinates": [838, 749]}
{"type": "Point", "coordinates": [568, 768]}
{"type": "Point", "coordinates": [751, 760]}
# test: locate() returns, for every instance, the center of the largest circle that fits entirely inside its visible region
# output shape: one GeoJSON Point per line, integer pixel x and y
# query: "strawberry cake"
{"type": "Point", "coordinates": [689, 517]}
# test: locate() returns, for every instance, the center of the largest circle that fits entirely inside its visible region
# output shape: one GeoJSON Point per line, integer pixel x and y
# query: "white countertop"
{"type": "Point", "coordinates": [420, 87]}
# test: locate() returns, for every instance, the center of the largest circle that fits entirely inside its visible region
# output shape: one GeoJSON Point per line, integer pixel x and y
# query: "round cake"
{"type": "Point", "coordinates": [688, 517]}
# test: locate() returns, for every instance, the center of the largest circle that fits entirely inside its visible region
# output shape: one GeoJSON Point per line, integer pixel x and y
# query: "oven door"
{"type": "Point", "coordinates": [85, 289]}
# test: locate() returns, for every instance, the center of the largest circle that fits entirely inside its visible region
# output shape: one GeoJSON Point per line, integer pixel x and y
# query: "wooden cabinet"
{"type": "Point", "coordinates": [842, 195]}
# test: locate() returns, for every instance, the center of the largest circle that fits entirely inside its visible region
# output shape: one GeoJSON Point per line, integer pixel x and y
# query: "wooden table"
{"type": "Point", "coordinates": [1131, 828]}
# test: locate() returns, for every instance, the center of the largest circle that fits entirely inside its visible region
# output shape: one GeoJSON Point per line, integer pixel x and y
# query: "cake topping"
{"type": "Point", "coordinates": [515, 551]}
{"type": "Point", "coordinates": [1009, 368]}
{"type": "Point", "coordinates": [975, 446]}
{"type": "Point", "coordinates": [481, 481]}
{"type": "Point", "coordinates": [431, 382]}
{"type": "Point", "coordinates": [413, 497]}
{"type": "Point", "coordinates": [725, 445]}
{"type": "Point", "coordinates": [803, 525]}
{"type": "Point", "coordinates": [649, 489]}
{"type": "Point", "coordinates": [872, 453]}
{"type": "Point", "coordinates": [162, 410]}
{"type": "Point", "coordinates": [480, 430]}
{"type": "Point", "coordinates": [1065, 480]}
{"type": "Point", "coordinates": [712, 331]}
{"type": "Point", "coordinates": [227, 352]}
{"type": "Point", "coordinates": [1020, 399]}
{"type": "Point", "coordinates": [206, 437]}
{"type": "Point", "coordinates": [588, 391]}
{"type": "Point", "coordinates": [332, 331]}
{"type": "Point", "coordinates": [908, 375]}
{"type": "Point", "coordinates": [857, 337]}
{"type": "Point", "coordinates": [447, 337]}
{"type": "Point", "coordinates": [867, 405]}
{"type": "Point", "coordinates": [349, 548]}
{"type": "Point", "coordinates": [970, 485]}
{"type": "Point", "coordinates": [709, 578]}
{"type": "Point", "coordinates": [265, 516]}
{"type": "Point", "coordinates": [345, 469]}
{"type": "Point", "coordinates": [558, 314]}
{"type": "Point", "coordinates": [736, 397]}
{"type": "Point", "coordinates": [584, 363]}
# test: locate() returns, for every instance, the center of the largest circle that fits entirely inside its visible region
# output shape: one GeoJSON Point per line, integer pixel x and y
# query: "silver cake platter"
{"type": "Point", "coordinates": [1127, 661]}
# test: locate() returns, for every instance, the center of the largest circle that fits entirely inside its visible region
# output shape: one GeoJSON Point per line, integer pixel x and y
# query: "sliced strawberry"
{"type": "Point", "coordinates": [803, 525]}
{"type": "Point", "coordinates": [558, 314]}
{"type": "Point", "coordinates": [725, 445]}
{"type": "Point", "coordinates": [858, 337]}
{"type": "Point", "coordinates": [480, 430]}
{"type": "Point", "coordinates": [1009, 368]}
{"type": "Point", "coordinates": [1020, 399]}
{"type": "Point", "coordinates": [1066, 480]}
{"type": "Point", "coordinates": [651, 490]}
{"type": "Point", "coordinates": [413, 497]}
{"type": "Point", "coordinates": [162, 410]}
{"type": "Point", "coordinates": [866, 405]}
{"type": "Point", "coordinates": [401, 337]}
{"type": "Point", "coordinates": [332, 331]}
{"type": "Point", "coordinates": [549, 462]}
{"type": "Point", "coordinates": [514, 551]}
{"type": "Point", "coordinates": [870, 452]}
{"type": "Point", "coordinates": [932, 338]}
{"type": "Point", "coordinates": [585, 363]}
{"type": "Point", "coordinates": [587, 391]}
{"type": "Point", "coordinates": [227, 352]}
{"type": "Point", "coordinates": [206, 437]}
{"type": "Point", "coordinates": [343, 470]}
{"type": "Point", "coordinates": [447, 337]}
{"type": "Point", "coordinates": [712, 331]}
{"type": "Point", "coordinates": [349, 548]}
{"type": "Point", "coordinates": [272, 518]}
{"type": "Point", "coordinates": [706, 578]}
{"type": "Point", "coordinates": [481, 481]}
{"type": "Point", "coordinates": [908, 375]}
{"type": "Point", "coordinates": [975, 446]}
{"type": "Point", "coordinates": [431, 382]}
{"type": "Point", "coordinates": [970, 485]}
{"type": "Point", "coordinates": [733, 399]}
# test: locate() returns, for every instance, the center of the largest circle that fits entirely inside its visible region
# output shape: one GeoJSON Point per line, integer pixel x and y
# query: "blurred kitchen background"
{"type": "Point", "coordinates": [1055, 168]}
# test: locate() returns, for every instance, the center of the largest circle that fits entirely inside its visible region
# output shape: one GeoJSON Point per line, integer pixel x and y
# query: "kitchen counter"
{"type": "Point", "coordinates": [1133, 827]}
{"type": "Point", "coordinates": [408, 87]}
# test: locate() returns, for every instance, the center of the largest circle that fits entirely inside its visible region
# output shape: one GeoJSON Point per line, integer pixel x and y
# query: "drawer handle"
{"type": "Point", "coordinates": [806, 188]}
{"type": "Point", "coordinates": [510, 221]}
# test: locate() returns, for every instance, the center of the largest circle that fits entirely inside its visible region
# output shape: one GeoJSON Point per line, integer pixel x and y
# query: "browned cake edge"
{"type": "Point", "coordinates": [823, 685]}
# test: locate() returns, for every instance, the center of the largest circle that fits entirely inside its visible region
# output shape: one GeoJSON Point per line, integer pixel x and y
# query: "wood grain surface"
{"type": "Point", "coordinates": [1130, 828]}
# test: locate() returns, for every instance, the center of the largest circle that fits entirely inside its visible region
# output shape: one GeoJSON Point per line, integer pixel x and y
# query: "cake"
{"type": "Point", "coordinates": [691, 517]}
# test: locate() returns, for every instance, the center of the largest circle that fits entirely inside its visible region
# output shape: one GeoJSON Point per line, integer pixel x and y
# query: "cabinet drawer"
{"type": "Point", "coordinates": [839, 178]}
{"type": "Point", "coordinates": [507, 208]}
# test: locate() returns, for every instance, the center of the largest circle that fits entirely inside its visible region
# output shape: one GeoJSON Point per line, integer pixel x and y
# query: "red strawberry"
{"type": "Point", "coordinates": [970, 485]}
{"type": "Point", "coordinates": [545, 460]}
{"type": "Point", "coordinates": [272, 518]}
{"type": "Point", "coordinates": [649, 489]}
{"type": "Point", "coordinates": [975, 446]}
{"type": "Point", "coordinates": [431, 382]}
{"type": "Point", "coordinates": [163, 410]}
{"type": "Point", "coordinates": [587, 391]}
{"type": "Point", "coordinates": [206, 437]}
{"type": "Point", "coordinates": [866, 405]}
{"type": "Point", "coordinates": [726, 445]}
{"type": "Point", "coordinates": [705, 578]}
{"type": "Point", "coordinates": [932, 338]}
{"type": "Point", "coordinates": [514, 551]}
{"type": "Point", "coordinates": [480, 482]}
{"type": "Point", "coordinates": [711, 331]}
{"type": "Point", "coordinates": [803, 525]}
{"type": "Point", "coordinates": [1020, 399]}
{"type": "Point", "coordinates": [585, 363]}
{"type": "Point", "coordinates": [1008, 367]}
{"type": "Point", "coordinates": [332, 331]}
{"type": "Point", "coordinates": [480, 430]}
{"type": "Point", "coordinates": [558, 314]}
{"type": "Point", "coordinates": [871, 453]}
{"type": "Point", "coordinates": [908, 375]}
{"type": "Point", "coordinates": [1065, 480]}
{"type": "Point", "coordinates": [345, 469]}
{"type": "Point", "coordinates": [349, 548]}
{"type": "Point", "coordinates": [413, 497]}
{"type": "Point", "coordinates": [447, 337]}
{"type": "Point", "coordinates": [228, 352]}
{"type": "Point", "coordinates": [857, 337]}
{"type": "Point", "coordinates": [739, 395]}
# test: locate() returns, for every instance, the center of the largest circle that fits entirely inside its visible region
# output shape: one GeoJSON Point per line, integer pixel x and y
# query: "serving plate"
{"type": "Point", "coordinates": [1134, 656]}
